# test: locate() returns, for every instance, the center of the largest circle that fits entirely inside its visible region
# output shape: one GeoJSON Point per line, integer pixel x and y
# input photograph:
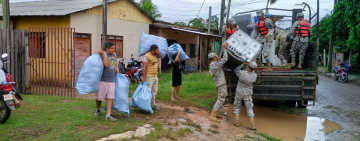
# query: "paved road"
{"type": "Point", "coordinates": [339, 102]}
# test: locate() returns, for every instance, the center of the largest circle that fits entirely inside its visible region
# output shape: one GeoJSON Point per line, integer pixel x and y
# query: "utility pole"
{"type": "Point", "coordinates": [317, 36]}
{"type": "Point", "coordinates": [331, 52]}
{"type": "Point", "coordinates": [209, 22]}
{"type": "Point", "coordinates": [228, 11]}
{"type": "Point", "coordinates": [104, 37]}
{"type": "Point", "coordinates": [6, 18]}
{"type": "Point", "coordinates": [222, 15]}
{"type": "Point", "coordinates": [267, 9]}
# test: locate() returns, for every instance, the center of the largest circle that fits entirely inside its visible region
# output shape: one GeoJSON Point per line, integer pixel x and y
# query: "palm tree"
{"type": "Point", "coordinates": [150, 8]}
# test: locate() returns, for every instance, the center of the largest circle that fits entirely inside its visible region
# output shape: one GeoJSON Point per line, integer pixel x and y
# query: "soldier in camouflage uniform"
{"type": "Point", "coordinates": [244, 90]}
{"type": "Point", "coordinates": [264, 27]}
{"type": "Point", "coordinates": [229, 29]}
{"type": "Point", "coordinates": [280, 46]}
{"type": "Point", "coordinates": [300, 30]}
{"type": "Point", "coordinates": [216, 71]}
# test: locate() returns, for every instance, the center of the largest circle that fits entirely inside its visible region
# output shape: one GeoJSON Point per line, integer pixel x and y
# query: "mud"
{"type": "Point", "coordinates": [283, 125]}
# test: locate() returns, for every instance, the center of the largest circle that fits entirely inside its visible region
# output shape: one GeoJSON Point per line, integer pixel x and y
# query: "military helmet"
{"type": "Point", "coordinates": [212, 55]}
{"type": "Point", "coordinates": [300, 15]}
{"type": "Point", "coordinates": [259, 13]}
{"type": "Point", "coordinates": [232, 21]}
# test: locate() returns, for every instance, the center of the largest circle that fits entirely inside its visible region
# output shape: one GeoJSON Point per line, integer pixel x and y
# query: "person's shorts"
{"type": "Point", "coordinates": [106, 91]}
{"type": "Point", "coordinates": [176, 80]}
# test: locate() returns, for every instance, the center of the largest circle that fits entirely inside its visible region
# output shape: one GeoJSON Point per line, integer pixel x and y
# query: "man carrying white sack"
{"type": "Point", "coordinates": [217, 72]}
{"type": "Point", "coordinates": [244, 90]}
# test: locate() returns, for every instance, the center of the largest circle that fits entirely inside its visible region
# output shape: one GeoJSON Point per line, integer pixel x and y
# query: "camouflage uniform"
{"type": "Point", "coordinates": [216, 71]}
{"type": "Point", "coordinates": [244, 90]}
{"type": "Point", "coordinates": [223, 33]}
{"type": "Point", "coordinates": [300, 44]}
{"type": "Point", "coordinates": [280, 45]}
{"type": "Point", "coordinates": [266, 42]}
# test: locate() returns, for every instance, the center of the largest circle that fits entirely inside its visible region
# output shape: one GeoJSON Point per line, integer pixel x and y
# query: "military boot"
{"type": "Point", "coordinates": [252, 122]}
{"type": "Point", "coordinates": [300, 65]}
{"type": "Point", "coordinates": [293, 63]}
{"type": "Point", "coordinates": [237, 121]}
{"type": "Point", "coordinates": [268, 67]}
{"type": "Point", "coordinates": [213, 117]}
{"type": "Point", "coordinates": [218, 115]}
{"type": "Point", "coordinates": [284, 63]}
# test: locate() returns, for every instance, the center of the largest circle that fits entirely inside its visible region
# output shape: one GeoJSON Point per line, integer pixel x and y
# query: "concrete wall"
{"type": "Point", "coordinates": [92, 24]}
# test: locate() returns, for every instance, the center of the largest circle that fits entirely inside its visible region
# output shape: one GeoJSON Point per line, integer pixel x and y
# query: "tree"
{"type": "Point", "coordinates": [180, 23]}
{"type": "Point", "coordinates": [346, 25]}
{"type": "Point", "coordinates": [197, 22]}
{"type": "Point", "coordinates": [214, 22]}
{"type": "Point", "coordinates": [150, 8]}
{"type": "Point", "coordinates": [324, 33]}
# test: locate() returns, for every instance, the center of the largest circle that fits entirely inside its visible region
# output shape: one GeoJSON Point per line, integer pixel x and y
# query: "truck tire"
{"type": "Point", "coordinates": [299, 104]}
{"type": "Point", "coordinates": [291, 103]}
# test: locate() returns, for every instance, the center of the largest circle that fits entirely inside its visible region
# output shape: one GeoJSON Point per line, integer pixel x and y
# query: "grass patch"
{"type": "Point", "coordinates": [213, 131]}
{"type": "Point", "coordinates": [189, 122]}
{"type": "Point", "coordinates": [267, 136]}
{"type": "Point", "coordinates": [197, 89]}
{"type": "Point", "coordinates": [61, 118]}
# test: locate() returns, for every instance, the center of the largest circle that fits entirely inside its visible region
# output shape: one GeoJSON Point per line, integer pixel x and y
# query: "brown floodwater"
{"type": "Point", "coordinates": [282, 125]}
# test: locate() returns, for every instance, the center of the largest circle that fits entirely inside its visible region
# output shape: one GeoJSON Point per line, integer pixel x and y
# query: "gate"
{"type": "Point", "coordinates": [52, 61]}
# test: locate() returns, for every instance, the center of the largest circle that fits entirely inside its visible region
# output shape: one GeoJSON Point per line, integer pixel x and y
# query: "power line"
{"type": "Point", "coordinates": [201, 7]}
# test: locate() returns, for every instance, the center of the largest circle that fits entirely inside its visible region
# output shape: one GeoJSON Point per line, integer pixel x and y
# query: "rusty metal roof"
{"type": "Point", "coordinates": [56, 7]}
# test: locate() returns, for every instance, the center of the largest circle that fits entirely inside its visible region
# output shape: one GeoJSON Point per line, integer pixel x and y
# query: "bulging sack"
{"type": "Point", "coordinates": [173, 50]}
{"type": "Point", "coordinates": [121, 102]}
{"type": "Point", "coordinates": [90, 75]}
{"type": "Point", "coordinates": [2, 74]}
{"type": "Point", "coordinates": [147, 40]}
{"type": "Point", "coordinates": [142, 98]}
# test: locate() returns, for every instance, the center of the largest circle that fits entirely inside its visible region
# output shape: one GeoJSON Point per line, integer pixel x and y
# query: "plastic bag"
{"type": "Point", "coordinates": [142, 98]}
{"type": "Point", "coordinates": [173, 50]}
{"type": "Point", "coordinates": [2, 74]}
{"type": "Point", "coordinates": [147, 40]}
{"type": "Point", "coordinates": [90, 75]}
{"type": "Point", "coordinates": [121, 101]}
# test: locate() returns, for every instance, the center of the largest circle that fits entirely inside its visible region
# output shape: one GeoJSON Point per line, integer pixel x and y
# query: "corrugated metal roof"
{"type": "Point", "coordinates": [51, 8]}
{"type": "Point", "coordinates": [195, 32]}
{"type": "Point", "coordinates": [57, 7]}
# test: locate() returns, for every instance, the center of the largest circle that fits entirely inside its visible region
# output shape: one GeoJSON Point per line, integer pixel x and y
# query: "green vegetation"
{"type": "Point", "coordinates": [170, 133]}
{"type": "Point", "coordinates": [267, 136]}
{"type": "Point", "coordinates": [189, 122]}
{"type": "Point", "coordinates": [197, 89]}
{"type": "Point", "coordinates": [150, 8]}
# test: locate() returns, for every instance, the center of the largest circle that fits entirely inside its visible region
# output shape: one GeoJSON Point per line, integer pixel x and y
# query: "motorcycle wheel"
{"type": "Point", "coordinates": [4, 111]}
{"type": "Point", "coordinates": [128, 78]}
{"type": "Point", "coordinates": [343, 78]}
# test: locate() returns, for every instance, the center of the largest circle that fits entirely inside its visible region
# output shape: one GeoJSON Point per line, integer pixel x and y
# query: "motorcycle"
{"type": "Point", "coordinates": [134, 63]}
{"type": "Point", "coordinates": [121, 65]}
{"type": "Point", "coordinates": [134, 70]}
{"type": "Point", "coordinates": [8, 94]}
{"type": "Point", "coordinates": [341, 72]}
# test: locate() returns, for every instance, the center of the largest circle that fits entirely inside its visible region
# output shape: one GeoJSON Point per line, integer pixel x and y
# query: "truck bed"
{"type": "Point", "coordinates": [296, 85]}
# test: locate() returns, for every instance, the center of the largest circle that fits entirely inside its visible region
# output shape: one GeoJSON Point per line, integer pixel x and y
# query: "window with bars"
{"type": "Point", "coordinates": [37, 44]}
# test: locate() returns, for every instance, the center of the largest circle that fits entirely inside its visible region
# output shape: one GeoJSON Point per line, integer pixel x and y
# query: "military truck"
{"type": "Point", "coordinates": [285, 84]}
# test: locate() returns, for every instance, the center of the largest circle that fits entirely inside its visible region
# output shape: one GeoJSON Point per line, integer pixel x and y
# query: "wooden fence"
{"type": "Point", "coordinates": [16, 46]}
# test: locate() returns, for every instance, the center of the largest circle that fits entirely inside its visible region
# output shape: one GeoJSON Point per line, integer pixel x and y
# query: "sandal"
{"type": "Point", "coordinates": [188, 110]}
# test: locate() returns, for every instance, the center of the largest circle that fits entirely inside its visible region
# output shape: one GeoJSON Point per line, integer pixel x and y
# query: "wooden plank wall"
{"type": "Point", "coordinates": [16, 46]}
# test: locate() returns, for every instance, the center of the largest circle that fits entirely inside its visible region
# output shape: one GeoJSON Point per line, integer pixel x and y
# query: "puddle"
{"type": "Point", "coordinates": [282, 125]}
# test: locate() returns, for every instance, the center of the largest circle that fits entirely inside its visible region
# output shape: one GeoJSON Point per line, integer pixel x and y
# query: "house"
{"type": "Point", "coordinates": [61, 31]}
{"type": "Point", "coordinates": [197, 43]}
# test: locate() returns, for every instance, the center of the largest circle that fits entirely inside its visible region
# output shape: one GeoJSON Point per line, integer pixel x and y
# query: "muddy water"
{"type": "Point", "coordinates": [285, 126]}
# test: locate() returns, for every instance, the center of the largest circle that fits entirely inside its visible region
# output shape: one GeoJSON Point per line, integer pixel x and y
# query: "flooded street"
{"type": "Point", "coordinates": [283, 125]}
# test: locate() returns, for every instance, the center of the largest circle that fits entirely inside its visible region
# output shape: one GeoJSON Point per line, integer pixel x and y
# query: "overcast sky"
{"type": "Point", "coordinates": [185, 10]}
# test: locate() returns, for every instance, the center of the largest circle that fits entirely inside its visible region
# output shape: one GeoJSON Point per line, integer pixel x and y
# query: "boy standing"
{"type": "Point", "coordinates": [176, 76]}
{"type": "Point", "coordinates": [106, 89]}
